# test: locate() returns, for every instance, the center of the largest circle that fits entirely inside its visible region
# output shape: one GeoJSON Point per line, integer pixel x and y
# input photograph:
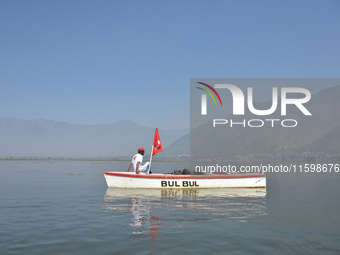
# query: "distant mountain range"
{"type": "Point", "coordinates": [318, 133]}
{"type": "Point", "coordinates": [329, 144]}
{"type": "Point", "coordinates": [47, 138]}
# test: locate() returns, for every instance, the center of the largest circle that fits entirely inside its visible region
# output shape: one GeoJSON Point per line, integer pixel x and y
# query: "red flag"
{"type": "Point", "coordinates": [157, 145]}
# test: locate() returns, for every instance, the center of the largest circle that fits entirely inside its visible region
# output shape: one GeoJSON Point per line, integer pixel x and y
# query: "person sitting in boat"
{"type": "Point", "coordinates": [137, 162]}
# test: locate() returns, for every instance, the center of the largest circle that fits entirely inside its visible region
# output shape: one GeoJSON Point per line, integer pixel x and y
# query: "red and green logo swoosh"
{"type": "Point", "coordinates": [209, 93]}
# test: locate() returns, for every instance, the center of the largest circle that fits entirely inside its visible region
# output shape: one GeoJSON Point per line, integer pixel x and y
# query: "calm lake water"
{"type": "Point", "coordinates": [65, 207]}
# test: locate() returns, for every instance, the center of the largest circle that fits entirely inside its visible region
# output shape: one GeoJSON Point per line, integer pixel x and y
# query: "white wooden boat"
{"type": "Point", "coordinates": [166, 181]}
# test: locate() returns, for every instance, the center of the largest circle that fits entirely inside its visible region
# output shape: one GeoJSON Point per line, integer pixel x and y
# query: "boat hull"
{"type": "Point", "coordinates": [161, 181]}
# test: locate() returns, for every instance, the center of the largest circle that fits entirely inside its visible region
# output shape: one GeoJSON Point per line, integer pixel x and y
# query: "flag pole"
{"type": "Point", "coordinates": [150, 159]}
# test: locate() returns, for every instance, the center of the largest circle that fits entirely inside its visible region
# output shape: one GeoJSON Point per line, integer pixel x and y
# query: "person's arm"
{"type": "Point", "coordinates": [137, 168]}
{"type": "Point", "coordinates": [130, 167]}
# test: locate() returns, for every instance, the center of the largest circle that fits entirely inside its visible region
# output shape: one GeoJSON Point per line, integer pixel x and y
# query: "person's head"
{"type": "Point", "coordinates": [141, 150]}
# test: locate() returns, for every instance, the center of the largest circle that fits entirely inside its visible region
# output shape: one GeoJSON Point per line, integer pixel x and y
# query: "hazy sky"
{"type": "Point", "coordinates": [97, 62]}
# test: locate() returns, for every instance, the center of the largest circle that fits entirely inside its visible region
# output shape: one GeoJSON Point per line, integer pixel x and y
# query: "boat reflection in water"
{"type": "Point", "coordinates": [147, 206]}
{"type": "Point", "coordinates": [240, 204]}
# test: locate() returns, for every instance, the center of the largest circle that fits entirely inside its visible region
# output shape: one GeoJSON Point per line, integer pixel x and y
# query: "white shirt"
{"type": "Point", "coordinates": [137, 158]}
